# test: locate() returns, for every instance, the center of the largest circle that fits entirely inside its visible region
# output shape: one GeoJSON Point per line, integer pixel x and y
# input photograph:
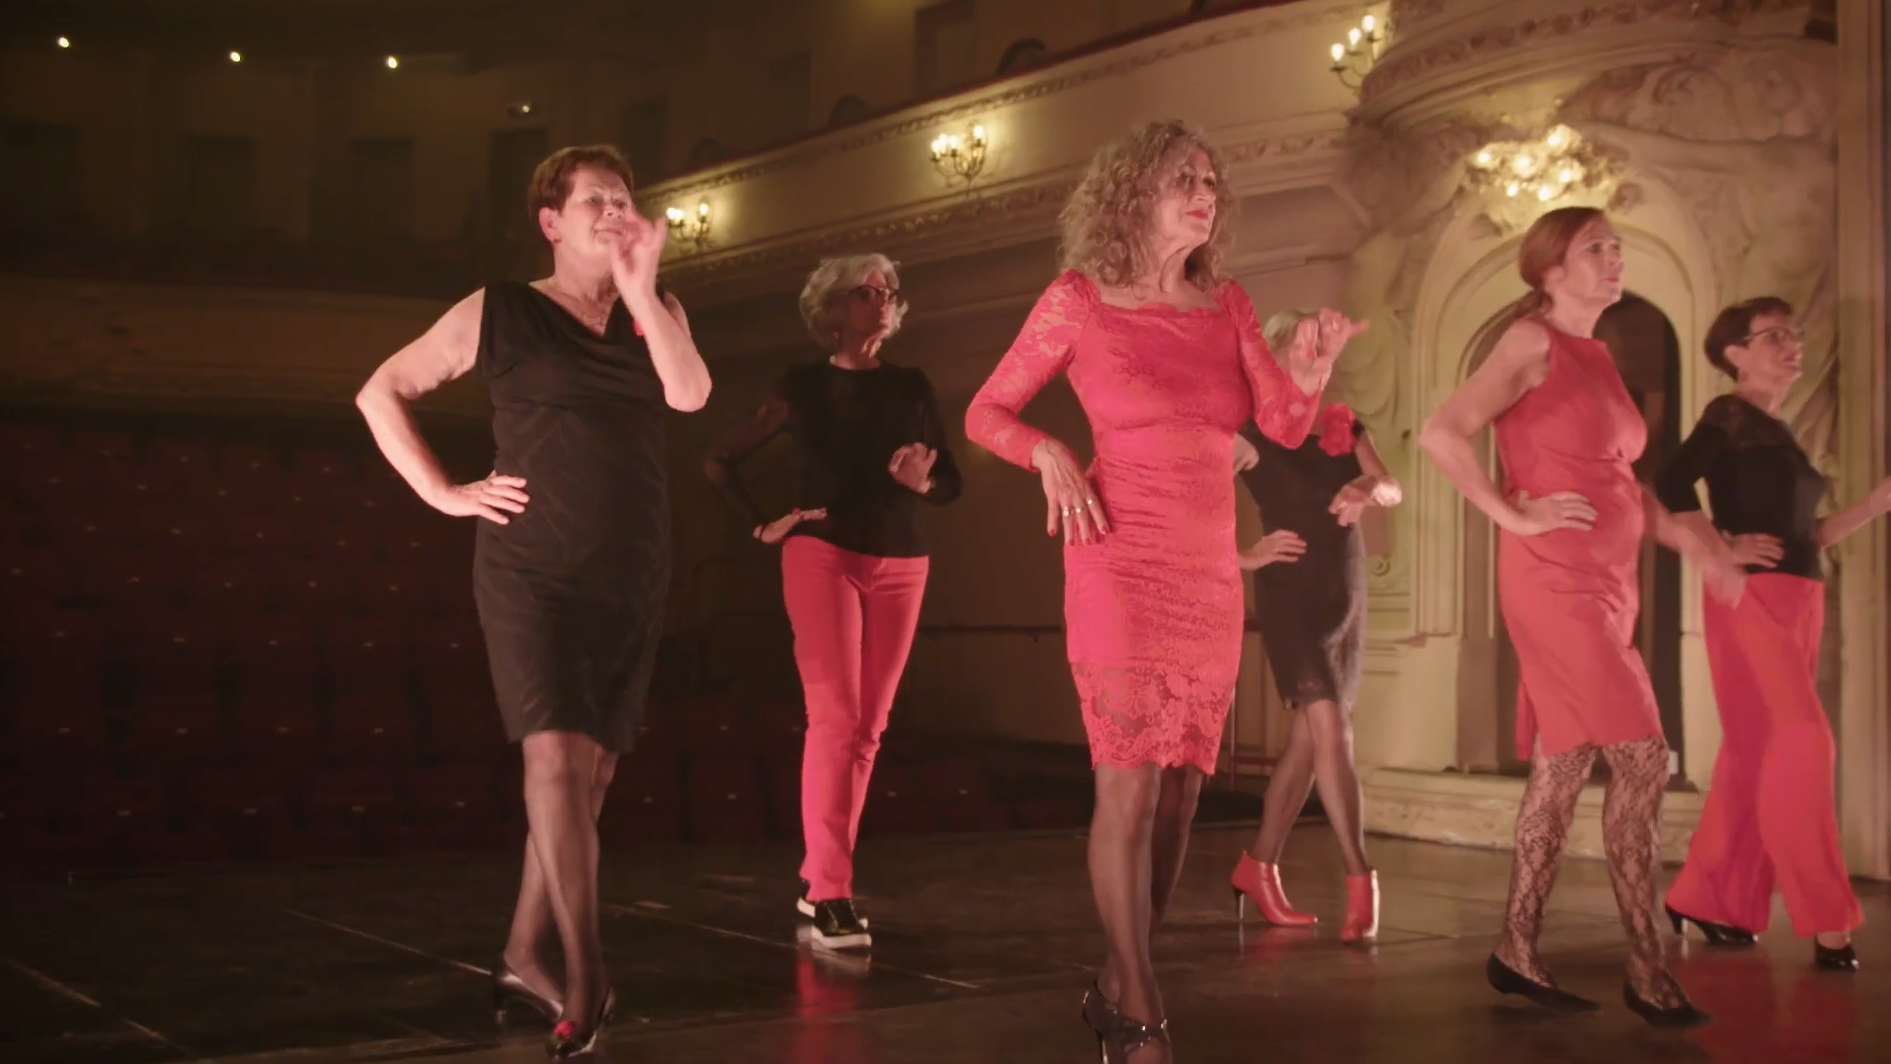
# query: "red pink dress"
{"type": "Point", "coordinates": [1570, 597]}
{"type": "Point", "coordinates": [1153, 612]}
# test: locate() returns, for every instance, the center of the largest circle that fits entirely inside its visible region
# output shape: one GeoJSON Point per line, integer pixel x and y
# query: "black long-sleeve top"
{"type": "Point", "coordinates": [1759, 480]}
{"type": "Point", "coordinates": [846, 424]}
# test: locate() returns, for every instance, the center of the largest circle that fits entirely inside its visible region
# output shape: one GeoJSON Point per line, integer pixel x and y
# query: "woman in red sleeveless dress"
{"type": "Point", "coordinates": [1167, 360]}
{"type": "Point", "coordinates": [1572, 520]}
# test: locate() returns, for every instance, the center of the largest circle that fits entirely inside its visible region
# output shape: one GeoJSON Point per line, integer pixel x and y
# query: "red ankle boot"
{"type": "Point", "coordinates": [1252, 879]}
{"type": "Point", "coordinates": [1362, 909]}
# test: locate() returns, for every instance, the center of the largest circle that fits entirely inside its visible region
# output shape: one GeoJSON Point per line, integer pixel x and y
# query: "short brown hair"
{"type": "Point", "coordinates": [1733, 327]}
{"type": "Point", "coordinates": [551, 182]}
{"type": "Point", "coordinates": [1545, 247]}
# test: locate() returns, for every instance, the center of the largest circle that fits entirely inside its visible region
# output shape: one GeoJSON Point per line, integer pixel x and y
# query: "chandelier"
{"type": "Point", "coordinates": [1521, 178]}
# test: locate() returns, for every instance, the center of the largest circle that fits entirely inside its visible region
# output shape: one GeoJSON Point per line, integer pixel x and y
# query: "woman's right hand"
{"type": "Point", "coordinates": [1753, 548]}
{"type": "Point", "coordinates": [777, 530]}
{"type": "Point", "coordinates": [491, 498]}
{"type": "Point", "coordinates": [1551, 513]}
{"type": "Point", "coordinates": [1281, 546]}
{"type": "Point", "coordinates": [1069, 501]}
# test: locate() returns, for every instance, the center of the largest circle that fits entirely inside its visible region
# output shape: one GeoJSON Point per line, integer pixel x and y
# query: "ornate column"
{"type": "Point", "coordinates": [1864, 734]}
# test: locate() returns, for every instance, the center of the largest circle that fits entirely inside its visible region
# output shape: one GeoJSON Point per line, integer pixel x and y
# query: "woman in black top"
{"type": "Point", "coordinates": [570, 578]}
{"type": "Point", "coordinates": [1769, 815]}
{"type": "Point", "coordinates": [1310, 603]}
{"type": "Point", "coordinates": [853, 562]}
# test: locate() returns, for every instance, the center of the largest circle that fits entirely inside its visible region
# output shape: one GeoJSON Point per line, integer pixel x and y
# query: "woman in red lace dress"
{"type": "Point", "coordinates": [1166, 357]}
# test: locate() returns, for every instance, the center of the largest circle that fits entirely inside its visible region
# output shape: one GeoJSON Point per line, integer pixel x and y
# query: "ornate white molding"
{"type": "Point", "coordinates": [1400, 67]}
{"type": "Point", "coordinates": [1481, 811]}
{"type": "Point", "coordinates": [1049, 81]}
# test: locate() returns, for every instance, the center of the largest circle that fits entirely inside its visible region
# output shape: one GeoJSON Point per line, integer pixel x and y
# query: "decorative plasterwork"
{"type": "Point", "coordinates": [1013, 215]}
{"type": "Point", "coordinates": [1057, 79]}
{"type": "Point", "coordinates": [1400, 67]}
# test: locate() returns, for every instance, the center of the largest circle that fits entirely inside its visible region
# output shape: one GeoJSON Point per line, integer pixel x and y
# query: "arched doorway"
{"type": "Point", "coordinates": [1647, 353]}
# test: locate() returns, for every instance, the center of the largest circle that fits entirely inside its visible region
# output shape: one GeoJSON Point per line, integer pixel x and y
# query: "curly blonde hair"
{"type": "Point", "coordinates": [829, 284]}
{"type": "Point", "coordinates": [1106, 223]}
{"type": "Point", "coordinates": [1278, 332]}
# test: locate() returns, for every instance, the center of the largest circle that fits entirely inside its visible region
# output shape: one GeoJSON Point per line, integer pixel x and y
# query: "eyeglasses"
{"type": "Point", "coordinates": [873, 293]}
{"type": "Point", "coordinates": [1779, 334]}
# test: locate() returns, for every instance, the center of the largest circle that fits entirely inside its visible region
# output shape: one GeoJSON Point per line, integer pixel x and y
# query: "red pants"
{"type": "Point", "coordinates": [854, 616]}
{"type": "Point", "coordinates": [1769, 814]}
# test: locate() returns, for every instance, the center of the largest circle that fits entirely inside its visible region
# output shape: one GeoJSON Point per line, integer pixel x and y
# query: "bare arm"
{"type": "Point", "coordinates": [1518, 363]}
{"type": "Point", "coordinates": [446, 351]}
{"type": "Point", "coordinates": [1834, 527]}
{"type": "Point", "coordinates": [1378, 481]}
{"type": "Point", "coordinates": [665, 329]}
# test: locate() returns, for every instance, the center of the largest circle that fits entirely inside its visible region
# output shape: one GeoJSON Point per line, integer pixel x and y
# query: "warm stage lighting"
{"type": "Point", "coordinates": [393, 62]}
{"type": "Point", "coordinates": [236, 57]}
{"type": "Point", "coordinates": [65, 42]}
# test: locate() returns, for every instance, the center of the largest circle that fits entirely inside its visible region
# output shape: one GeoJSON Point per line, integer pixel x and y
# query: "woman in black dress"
{"type": "Point", "coordinates": [1310, 600]}
{"type": "Point", "coordinates": [853, 559]}
{"type": "Point", "coordinates": [570, 578]}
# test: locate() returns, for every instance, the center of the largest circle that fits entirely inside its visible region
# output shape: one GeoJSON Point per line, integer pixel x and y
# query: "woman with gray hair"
{"type": "Point", "coordinates": [853, 560]}
{"type": "Point", "coordinates": [1166, 356]}
{"type": "Point", "coordinates": [1310, 603]}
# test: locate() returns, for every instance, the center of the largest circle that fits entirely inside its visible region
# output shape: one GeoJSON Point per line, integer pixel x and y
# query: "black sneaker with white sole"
{"type": "Point", "coordinates": [806, 908]}
{"type": "Point", "coordinates": [837, 926]}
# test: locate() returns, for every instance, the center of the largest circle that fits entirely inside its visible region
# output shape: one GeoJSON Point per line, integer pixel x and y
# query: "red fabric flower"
{"type": "Point", "coordinates": [1336, 430]}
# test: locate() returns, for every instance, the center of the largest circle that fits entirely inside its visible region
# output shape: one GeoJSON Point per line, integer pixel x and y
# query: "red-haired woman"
{"type": "Point", "coordinates": [1572, 520]}
{"type": "Point", "coordinates": [570, 579]}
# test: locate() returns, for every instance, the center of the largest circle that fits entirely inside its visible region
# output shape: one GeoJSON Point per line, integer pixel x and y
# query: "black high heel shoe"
{"type": "Point", "coordinates": [507, 988]}
{"type": "Point", "coordinates": [1127, 1036]}
{"type": "Point", "coordinates": [1716, 934]}
{"type": "Point", "coordinates": [1678, 1017]}
{"type": "Point", "coordinates": [1827, 959]}
{"type": "Point", "coordinates": [567, 1041]}
{"type": "Point", "coordinates": [1099, 1014]}
{"type": "Point", "coordinates": [1507, 980]}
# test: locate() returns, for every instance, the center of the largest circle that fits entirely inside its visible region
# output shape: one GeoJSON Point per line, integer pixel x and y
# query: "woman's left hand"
{"type": "Point", "coordinates": [1317, 341]}
{"type": "Point", "coordinates": [912, 467]}
{"type": "Point", "coordinates": [1352, 500]}
{"type": "Point", "coordinates": [1725, 581]}
{"type": "Point", "coordinates": [634, 258]}
{"type": "Point", "coordinates": [1245, 456]}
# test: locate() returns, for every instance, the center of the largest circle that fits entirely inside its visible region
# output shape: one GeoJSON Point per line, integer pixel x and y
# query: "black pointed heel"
{"type": "Point", "coordinates": [1127, 1036]}
{"type": "Point", "coordinates": [1842, 959]}
{"type": "Point", "coordinates": [1507, 980]}
{"type": "Point", "coordinates": [1716, 934]}
{"type": "Point", "coordinates": [508, 988]}
{"type": "Point", "coordinates": [1099, 1014]}
{"type": "Point", "coordinates": [1680, 1017]}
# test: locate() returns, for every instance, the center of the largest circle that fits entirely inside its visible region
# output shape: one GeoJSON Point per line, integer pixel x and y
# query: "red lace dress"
{"type": "Point", "coordinates": [1153, 613]}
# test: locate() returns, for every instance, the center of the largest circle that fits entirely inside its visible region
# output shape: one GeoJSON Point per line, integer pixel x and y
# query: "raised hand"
{"type": "Point", "coordinates": [1281, 546]}
{"type": "Point", "coordinates": [1317, 341]}
{"type": "Point", "coordinates": [1551, 513]}
{"type": "Point", "coordinates": [1245, 456]}
{"type": "Point", "coordinates": [634, 257]}
{"type": "Point", "coordinates": [491, 498]}
{"type": "Point", "coordinates": [1351, 501]}
{"type": "Point", "coordinates": [775, 531]}
{"type": "Point", "coordinates": [1069, 501]}
{"type": "Point", "coordinates": [912, 467]}
{"type": "Point", "coordinates": [1754, 548]}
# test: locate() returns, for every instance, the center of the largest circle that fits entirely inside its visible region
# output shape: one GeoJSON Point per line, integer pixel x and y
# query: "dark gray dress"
{"type": "Point", "coordinates": [570, 593]}
{"type": "Point", "coordinates": [1311, 612]}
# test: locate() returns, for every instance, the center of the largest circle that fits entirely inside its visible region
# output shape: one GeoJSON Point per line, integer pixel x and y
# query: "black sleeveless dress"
{"type": "Point", "coordinates": [1311, 612]}
{"type": "Point", "coordinates": [570, 592]}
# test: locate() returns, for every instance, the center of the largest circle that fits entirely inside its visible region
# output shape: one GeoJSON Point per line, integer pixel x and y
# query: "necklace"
{"type": "Point", "coordinates": [593, 314]}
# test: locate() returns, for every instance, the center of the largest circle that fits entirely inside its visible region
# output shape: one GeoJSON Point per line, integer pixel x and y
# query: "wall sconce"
{"type": "Point", "coordinates": [690, 227]}
{"type": "Point", "coordinates": [1522, 178]}
{"type": "Point", "coordinates": [1353, 60]}
{"type": "Point", "coordinates": [959, 158]}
